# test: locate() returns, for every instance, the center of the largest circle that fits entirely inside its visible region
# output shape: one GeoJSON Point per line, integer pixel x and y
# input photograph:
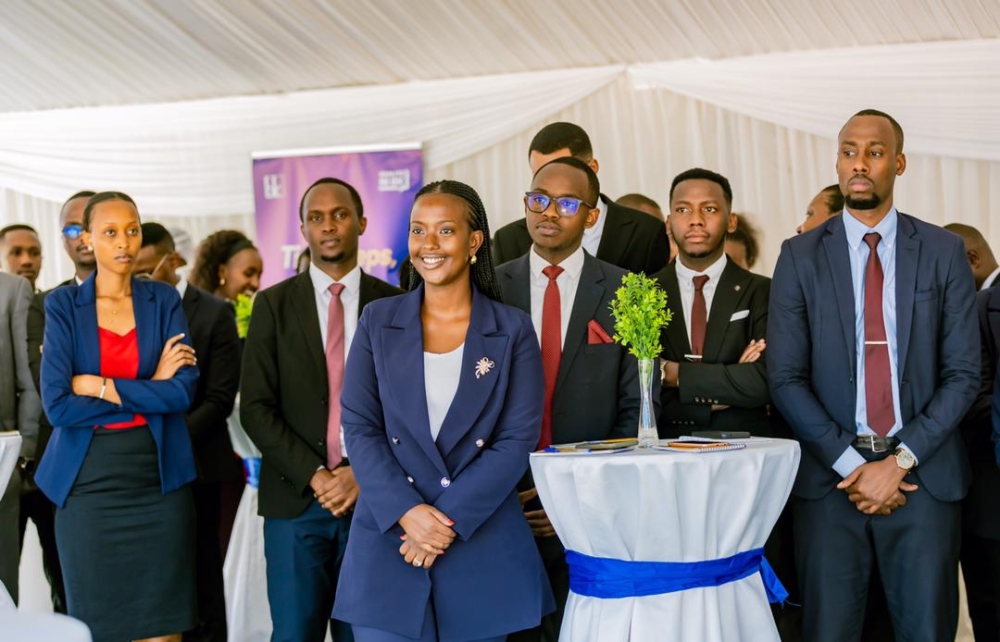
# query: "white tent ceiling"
{"type": "Point", "coordinates": [73, 53]}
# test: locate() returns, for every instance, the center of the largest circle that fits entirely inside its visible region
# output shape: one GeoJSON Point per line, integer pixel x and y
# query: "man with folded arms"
{"type": "Point", "coordinates": [591, 383]}
{"type": "Point", "coordinates": [713, 374]}
{"type": "Point", "coordinates": [873, 358]}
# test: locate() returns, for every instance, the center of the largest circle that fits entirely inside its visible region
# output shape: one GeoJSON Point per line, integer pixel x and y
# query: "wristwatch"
{"type": "Point", "coordinates": [905, 459]}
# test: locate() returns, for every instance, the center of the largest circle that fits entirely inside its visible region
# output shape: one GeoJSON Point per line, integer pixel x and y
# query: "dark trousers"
{"type": "Point", "coordinates": [428, 632]}
{"type": "Point", "coordinates": [915, 548]}
{"type": "Point", "coordinates": [211, 590]}
{"type": "Point", "coordinates": [304, 555]}
{"type": "Point", "coordinates": [554, 559]}
{"type": "Point", "coordinates": [37, 507]}
{"type": "Point", "coordinates": [981, 569]}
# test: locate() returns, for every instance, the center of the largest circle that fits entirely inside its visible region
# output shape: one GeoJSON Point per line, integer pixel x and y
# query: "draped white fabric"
{"type": "Point", "coordinates": [769, 123]}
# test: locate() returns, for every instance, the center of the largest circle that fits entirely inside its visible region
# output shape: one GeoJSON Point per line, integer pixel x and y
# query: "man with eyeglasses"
{"type": "Point", "coordinates": [619, 235]}
{"type": "Point", "coordinates": [212, 324]}
{"type": "Point", "coordinates": [34, 504]}
{"type": "Point", "coordinates": [591, 382]}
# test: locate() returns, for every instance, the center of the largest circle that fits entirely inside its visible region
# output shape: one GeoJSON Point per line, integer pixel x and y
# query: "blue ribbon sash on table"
{"type": "Point", "coordinates": [607, 578]}
{"type": "Point", "coordinates": [252, 467]}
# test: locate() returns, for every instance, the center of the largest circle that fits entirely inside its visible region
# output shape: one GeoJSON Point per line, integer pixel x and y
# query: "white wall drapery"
{"type": "Point", "coordinates": [746, 118]}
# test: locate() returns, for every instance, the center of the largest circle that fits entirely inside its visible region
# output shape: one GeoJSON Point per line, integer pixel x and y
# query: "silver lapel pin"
{"type": "Point", "coordinates": [483, 367]}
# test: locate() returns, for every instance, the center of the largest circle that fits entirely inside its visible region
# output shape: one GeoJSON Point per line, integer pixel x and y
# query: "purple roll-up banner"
{"type": "Point", "coordinates": [388, 178]}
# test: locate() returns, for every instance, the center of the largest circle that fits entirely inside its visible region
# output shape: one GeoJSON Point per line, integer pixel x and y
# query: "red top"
{"type": "Point", "coordinates": [120, 360]}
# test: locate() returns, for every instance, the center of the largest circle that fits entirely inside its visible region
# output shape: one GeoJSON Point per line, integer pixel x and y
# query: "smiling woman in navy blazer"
{"type": "Point", "coordinates": [441, 407]}
{"type": "Point", "coordinates": [117, 376]}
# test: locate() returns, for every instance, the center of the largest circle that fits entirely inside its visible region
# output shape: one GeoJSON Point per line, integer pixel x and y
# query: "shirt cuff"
{"type": "Point", "coordinates": [916, 460]}
{"type": "Point", "coordinates": [848, 462]}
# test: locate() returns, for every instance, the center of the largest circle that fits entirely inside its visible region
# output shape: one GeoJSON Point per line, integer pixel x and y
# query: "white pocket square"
{"type": "Point", "coordinates": [742, 314]}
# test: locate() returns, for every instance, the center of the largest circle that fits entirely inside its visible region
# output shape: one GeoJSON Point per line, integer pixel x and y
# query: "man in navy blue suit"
{"type": "Point", "coordinates": [873, 358]}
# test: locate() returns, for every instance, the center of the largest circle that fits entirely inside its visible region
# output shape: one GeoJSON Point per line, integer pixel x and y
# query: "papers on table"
{"type": "Point", "coordinates": [594, 447]}
{"type": "Point", "coordinates": [698, 445]}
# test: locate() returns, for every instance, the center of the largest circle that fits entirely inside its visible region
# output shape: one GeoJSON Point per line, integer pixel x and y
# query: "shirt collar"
{"type": "Point", "coordinates": [713, 272]}
{"type": "Point", "coordinates": [182, 286]}
{"type": "Point", "coordinates": [856, 230]}
{"type": "Point", "coordinates": [322, 281]}
{"type": "Point", "coordinates": [572, 264]}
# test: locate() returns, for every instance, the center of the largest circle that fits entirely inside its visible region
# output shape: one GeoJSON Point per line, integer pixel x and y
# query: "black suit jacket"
{"type": "Point", "coordinates": [719, 378]}
{"type": "Point", "coordinates": [36, 332]}
{"type": "Point", "coordinates": [597, 391]}
{"type": "Point", "coordinates": [981, 516]}
{"type": "Point", "coordinates": [284, 394]}
{"type": "Point", "coordinates": [212, 324]}
{"type": "Point", "coordinates": [631, 240]}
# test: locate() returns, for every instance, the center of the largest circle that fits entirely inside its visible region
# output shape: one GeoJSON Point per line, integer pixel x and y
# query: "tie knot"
{"type": "Point", "coordinates": [336, 288]}
{"type": "Point", "coordinates": [872, 239]}
{"type": "Point", "coordinates": [552, 271]}
{"type": "Point", "coordinates": [699, 282]}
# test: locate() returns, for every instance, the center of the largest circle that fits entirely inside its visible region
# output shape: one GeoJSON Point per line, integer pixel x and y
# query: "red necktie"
{"type": "Point", "coordinates": [878, 376]}
{"type": "Point", "coordinates": [334, 373]}
{"type": "Point", "coordinates": [699, 316]}
{"type": "Point", "coordinates": [551, 348]}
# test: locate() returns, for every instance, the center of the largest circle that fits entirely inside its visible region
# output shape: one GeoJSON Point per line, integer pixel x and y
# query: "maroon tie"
{"type": "Point", "coordinates": [551, 348]}
{"type": "Point", "coordinates": [878, 376]}
{"type": "Point", "coordinates": [334, 373]}
{"type": "Point", "coordinates": [699, 316]}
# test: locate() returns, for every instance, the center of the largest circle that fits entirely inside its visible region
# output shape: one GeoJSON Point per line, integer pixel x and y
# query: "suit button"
{"type": "Point", "coordinates": [395, 440]}
{"type": "Point", "coordinates": [445, 482]}
{"type": "Point", "coordinates": [321, 442]}
{"type": "Point", "coordinates": [409, 479]}
{"type": "Point", "coordinates": [325, 400]}
{"type": "Point", "coordinates": [480, 443]}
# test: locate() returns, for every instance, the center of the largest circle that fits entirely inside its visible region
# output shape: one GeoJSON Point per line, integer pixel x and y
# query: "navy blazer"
{"type": "Point", "coordinates": [812, 361]}
{"type": "Point", "coordinates": [490, 581]}
{"type": "Point", "coordinates": [72, 347]}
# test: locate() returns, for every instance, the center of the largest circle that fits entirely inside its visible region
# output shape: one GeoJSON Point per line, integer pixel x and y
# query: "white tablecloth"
{"type": "Point", "coordinates": [669, 507]}
{"type": "Point", "coordinates": [10, 448]}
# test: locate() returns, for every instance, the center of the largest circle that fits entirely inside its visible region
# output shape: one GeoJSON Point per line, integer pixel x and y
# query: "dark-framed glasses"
{"type": "Point", "coordinates": [72, 231]}
{"type": "Point", "coordinates": [566, 206]}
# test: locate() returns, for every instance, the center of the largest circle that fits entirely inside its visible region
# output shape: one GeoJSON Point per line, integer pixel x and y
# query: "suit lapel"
{"type": "Point", "coordinates": [405, 374]}
{"type": "Point", "coordinates": [676, 334]}
{"type": "Point", "coordinates": [304, 303]}
{"type": "Point", "coordinates": [190, 302]}
{"type": "Point", "coordinates": [728, 294]}
{"type": "Point", "coordinates": [907, 258]}
{"type": "Point", "coordinates": [993, 313]}
{"type": "Point", "coordinates": [517, 290]}
{"type": "Point", "coordinates": [589, 293]}
{"type": "Point", "coordinates": [837, 253]}
{"type": "Point", "coordinates": [366, 292]}
{"type": "Point", "coordinates": [481, 343]}
{"type": "Point", "coordinates": [146, 328]}
{"type": "Point", "coordinates": [616, 235]}
{"type": "Point", "coordinates": [88, 340]}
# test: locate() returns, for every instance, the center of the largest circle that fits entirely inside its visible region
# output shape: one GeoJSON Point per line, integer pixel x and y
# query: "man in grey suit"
{"type": "Point", "coordinates": [20, 407]}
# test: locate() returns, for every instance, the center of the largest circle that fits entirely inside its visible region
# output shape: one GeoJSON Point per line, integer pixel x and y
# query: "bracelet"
{"type": "Point", "coordinates": [104, 388]}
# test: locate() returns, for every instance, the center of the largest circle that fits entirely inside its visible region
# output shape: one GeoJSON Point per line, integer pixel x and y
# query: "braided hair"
{"type": "Point", "coordinates": [215, 251]}
{"type": "Point", "coordinates": [482, 273]}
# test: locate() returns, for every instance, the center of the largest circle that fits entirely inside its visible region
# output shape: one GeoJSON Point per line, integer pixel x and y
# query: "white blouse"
{"type": "Point", "coordinates": [441, 375]}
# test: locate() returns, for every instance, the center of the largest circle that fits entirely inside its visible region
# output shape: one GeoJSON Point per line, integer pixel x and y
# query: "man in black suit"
{"type": "Point", "coordinates": [619, 235]}
{"type": "Point", "coordinates": [873, 358]}
{"type": "Point", "coordinates": [212, 324]}
{"type": "Point", "coordinates": [713, 376]}
{"type": "Point", "coordinates": [293, 369]}
{"type": "Point", "coordinates": [592, 383]}
{"type": "Point", "coordinates": [34, 504]}
{"type": "Point", "coordinates": [985, 269]}
{"type": "Point", "coordinates": [981, 507]}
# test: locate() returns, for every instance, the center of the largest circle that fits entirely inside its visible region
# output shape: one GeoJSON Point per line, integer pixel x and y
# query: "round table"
{"type": "Point", "coordinates": [662, 506]}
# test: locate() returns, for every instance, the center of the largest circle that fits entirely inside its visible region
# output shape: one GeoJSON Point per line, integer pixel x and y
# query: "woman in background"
{"type": "Point", "coordinates": [227, 265]}
{"type": "Point", "coordinates": [117, 377]}
{"type": "Point", "coordinates": [442, 406]}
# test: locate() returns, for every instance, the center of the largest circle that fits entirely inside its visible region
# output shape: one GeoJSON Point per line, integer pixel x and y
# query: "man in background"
{"type": "Point", "coordinates": [829, 202]}
{"type": "Point", "coordinates": [21, 252]}
{"type": "Point", "coordinates": [984, 264]}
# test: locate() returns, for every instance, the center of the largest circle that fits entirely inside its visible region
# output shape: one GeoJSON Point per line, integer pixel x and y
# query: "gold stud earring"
{"type": "Point", "coordinates": [222, 281]}
{"type": "Point", "coordinates": [473, 259]}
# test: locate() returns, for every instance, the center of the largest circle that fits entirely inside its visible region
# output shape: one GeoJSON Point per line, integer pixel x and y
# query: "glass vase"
{"type": "Point", "coordinates": [648, 437]}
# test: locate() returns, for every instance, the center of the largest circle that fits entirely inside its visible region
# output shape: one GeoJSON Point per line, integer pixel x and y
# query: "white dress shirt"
{"type": "Point", "coordinates": [567, 282]}
{"type": "Point", "coordinates": [592, 236]}
{"type": "Point", "coordinates": [350, 297]}
{"type": "Point", "coordinates": [991, 279]}
{"type": "Point", "coordinates": [685, 280]}
{"type": "Point", "coordinates": [182, 286]}
{"type": "Point", "coordinates": [441, 375]}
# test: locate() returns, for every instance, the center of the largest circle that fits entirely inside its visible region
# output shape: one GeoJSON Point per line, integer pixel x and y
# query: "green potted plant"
{"type": "Point", "coordinates": [640, 312]}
